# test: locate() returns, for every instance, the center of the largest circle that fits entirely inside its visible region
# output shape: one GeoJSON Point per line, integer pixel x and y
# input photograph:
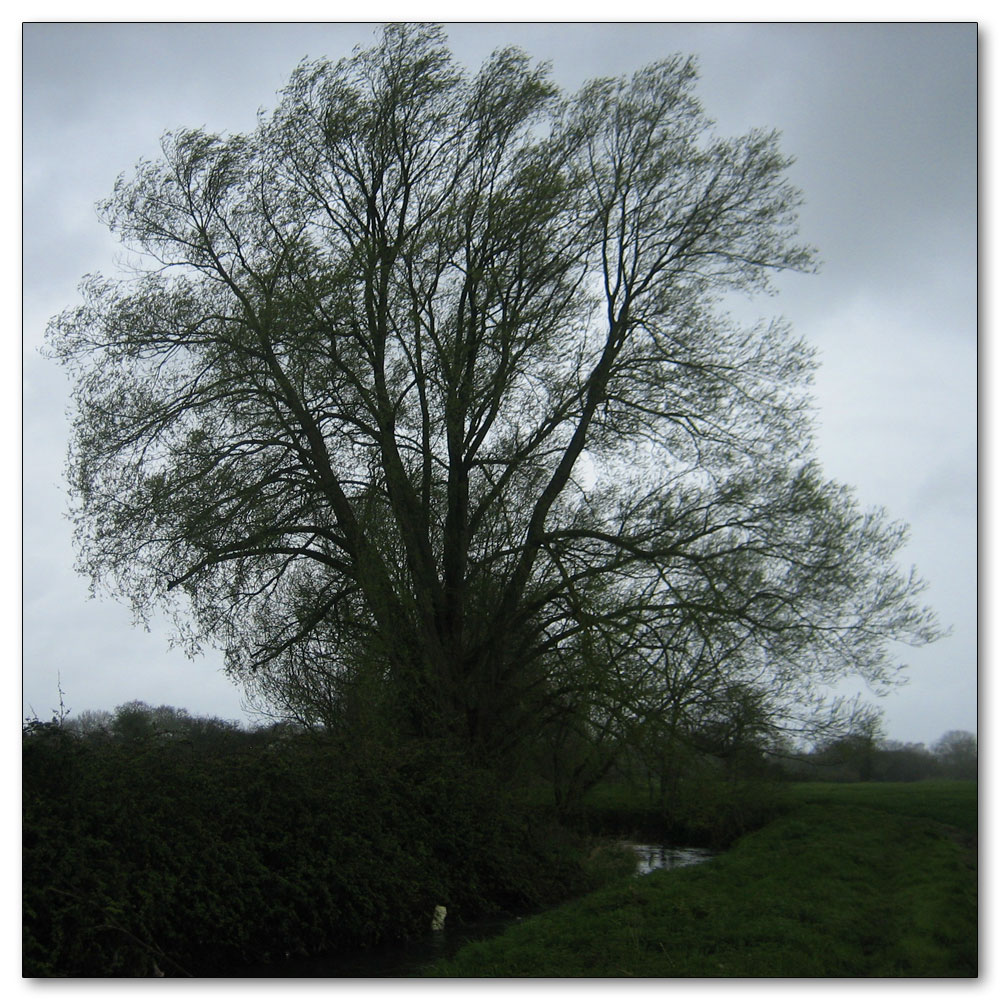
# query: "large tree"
{"type": "Point", "coordinates": [420, 400]}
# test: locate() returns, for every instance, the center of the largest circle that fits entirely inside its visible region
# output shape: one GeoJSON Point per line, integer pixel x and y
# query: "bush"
{"type": "Point", "coordinates": [153, 855]}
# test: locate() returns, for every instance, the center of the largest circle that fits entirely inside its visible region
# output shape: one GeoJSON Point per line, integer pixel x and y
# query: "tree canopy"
{"type": "Point", "coordinates": [421, 402]}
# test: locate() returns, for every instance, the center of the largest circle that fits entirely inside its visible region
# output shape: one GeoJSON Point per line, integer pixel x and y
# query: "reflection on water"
{"type": "Point", "coordinates": [653, 856]}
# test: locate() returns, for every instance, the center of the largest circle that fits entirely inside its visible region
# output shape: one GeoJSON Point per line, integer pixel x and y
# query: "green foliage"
{"type": "Point", "coordinates": [335, 419]}
{"type": "Point", "coordinates": [151, 853]}
{"type": "Point", "coordinates": [704, 809]}
{"type": "Point", "coordinates": [831, 889]}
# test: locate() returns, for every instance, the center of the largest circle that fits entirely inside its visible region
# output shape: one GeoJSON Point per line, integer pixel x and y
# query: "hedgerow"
{"type": "Point", "coordinates": [163, 856]}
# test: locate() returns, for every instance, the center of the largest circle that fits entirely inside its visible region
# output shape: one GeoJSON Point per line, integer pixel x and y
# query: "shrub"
{"type": "Point", "coordinates": [151, 855]}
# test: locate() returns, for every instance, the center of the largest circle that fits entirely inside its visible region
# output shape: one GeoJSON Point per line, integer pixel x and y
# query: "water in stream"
{"type": "Point", "coordinates": [405, 959]}
{"type": "Point", "coordinates": [653, 856]}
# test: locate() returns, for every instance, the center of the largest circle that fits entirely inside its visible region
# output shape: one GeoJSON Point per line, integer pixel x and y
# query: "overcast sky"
{"type": "Point", "coordinates": [882, 122]}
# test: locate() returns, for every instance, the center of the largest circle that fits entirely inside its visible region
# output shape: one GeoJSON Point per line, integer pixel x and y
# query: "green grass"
{"type": "Point", "coordinates": [953, 802]}
{"type": "Point", "coordinates": [852, 881]}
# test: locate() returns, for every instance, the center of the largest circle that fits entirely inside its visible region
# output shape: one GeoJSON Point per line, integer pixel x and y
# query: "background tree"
{"type": "Point", "coordinates": [852, 756]}
{"type": "Point", "coordinates": [422, 397]}
{"type": "Point", "coordinates": [958, 753]}
{"type": "Point", "coordinates": [898, 761]}
{"type": "Point", "coordinates": [91, 723]}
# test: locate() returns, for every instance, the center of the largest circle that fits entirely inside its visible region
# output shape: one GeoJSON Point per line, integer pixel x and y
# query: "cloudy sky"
{"type": "Point", "coordinates": [882, 121]}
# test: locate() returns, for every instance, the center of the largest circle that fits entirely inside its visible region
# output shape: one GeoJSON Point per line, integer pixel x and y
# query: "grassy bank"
{"type": "Point", "coordinates": [852, 881]}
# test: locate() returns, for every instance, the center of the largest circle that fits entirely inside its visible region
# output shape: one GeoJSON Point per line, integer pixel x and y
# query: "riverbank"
{"type": "Point", "coordinates": [605, 861]}
{"type": "Point", "coordinates": [851, 881]}
{"type": "Point", "coordinates": [248, 853]}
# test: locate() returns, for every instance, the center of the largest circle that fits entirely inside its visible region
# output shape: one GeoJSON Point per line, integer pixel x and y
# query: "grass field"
{"type": "Point", "coordinates": [866, 880]}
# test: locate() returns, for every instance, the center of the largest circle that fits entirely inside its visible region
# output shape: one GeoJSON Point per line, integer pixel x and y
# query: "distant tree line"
{"type": "Point", "coordinates": [863, 756]}
{"type": "Point", "coordinates": [138, 720]}
{"type": "Point", "coordinates": [737, 739]}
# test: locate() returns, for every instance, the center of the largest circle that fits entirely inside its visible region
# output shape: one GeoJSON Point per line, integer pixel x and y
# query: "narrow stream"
{"type": "Point", "coordinates": [653, 856]}
{"type": "Point", "coordinates": [404, 959]}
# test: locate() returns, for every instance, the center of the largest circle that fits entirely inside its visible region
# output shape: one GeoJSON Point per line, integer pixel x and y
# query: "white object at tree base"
{"type": "Point", "coordinates": [437, 921]}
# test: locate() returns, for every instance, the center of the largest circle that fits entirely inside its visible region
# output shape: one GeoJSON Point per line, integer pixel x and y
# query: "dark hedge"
{"type": "Point", "coordinates": [162, 856]}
